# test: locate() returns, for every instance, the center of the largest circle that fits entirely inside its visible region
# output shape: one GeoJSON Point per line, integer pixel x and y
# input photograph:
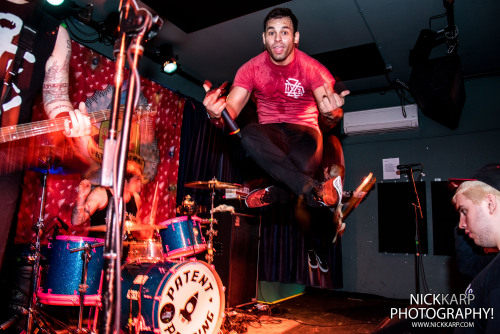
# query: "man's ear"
{"type": "Point", "coordinates": [492, 203]}
{"type": "Point", "coordinates": [264, 38]}
{"type": "Point", "coordinates": [296, 38]}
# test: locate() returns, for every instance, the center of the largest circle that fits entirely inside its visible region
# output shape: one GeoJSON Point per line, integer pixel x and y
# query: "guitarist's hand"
{"type": "Point", "coordinates": [79, 125]}
{"type": "Point", "coordinates": [213, 101]}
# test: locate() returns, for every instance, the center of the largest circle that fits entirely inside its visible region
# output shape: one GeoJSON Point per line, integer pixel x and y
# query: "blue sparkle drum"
{"type": "Point", "coordinates": [181, 297]}
{"type": "Point", "coordinates": [60, 281]}
{"type": "Point", "coordinates": [182, 237]}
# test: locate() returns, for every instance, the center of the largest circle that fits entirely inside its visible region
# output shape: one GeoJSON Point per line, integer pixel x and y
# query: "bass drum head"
{"type": "Point", "coordinates": [184, 297]}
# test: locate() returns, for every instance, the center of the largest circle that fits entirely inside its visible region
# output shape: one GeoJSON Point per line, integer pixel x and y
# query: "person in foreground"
{"type": "Point", "coordinates": [478, 203]}
{"type": "Point", "coordinates": [292, 91]}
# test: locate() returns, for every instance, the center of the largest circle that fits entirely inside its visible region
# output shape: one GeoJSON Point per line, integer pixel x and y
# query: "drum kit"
{"type": "Point", "coordinates": [164, 287]}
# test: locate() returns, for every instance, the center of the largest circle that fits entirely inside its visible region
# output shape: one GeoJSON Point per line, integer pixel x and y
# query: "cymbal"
{"type": "Point", "coordinates": [212, 184]}
{"type": "Point", "coordinates": [129, 227]}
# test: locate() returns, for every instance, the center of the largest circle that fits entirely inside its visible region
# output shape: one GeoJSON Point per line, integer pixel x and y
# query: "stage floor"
{"type": "Point", "coordinates": [316, 311]}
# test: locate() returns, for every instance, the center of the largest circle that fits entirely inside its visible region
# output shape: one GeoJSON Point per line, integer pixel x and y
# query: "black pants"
{"type": "Point", "coordinates": [289, 153]}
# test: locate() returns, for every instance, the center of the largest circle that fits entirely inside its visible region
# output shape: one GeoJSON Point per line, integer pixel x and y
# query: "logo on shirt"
{"type": "Point", "coordinates": [293, 88]}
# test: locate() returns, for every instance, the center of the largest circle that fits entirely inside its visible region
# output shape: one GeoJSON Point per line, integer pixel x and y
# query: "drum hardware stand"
{"type": "Point", "coordinates": [33, 314]}
{"type": "Point", "coordinates": [13, 320]}
{"type": "Point", "coordinates": [211, 232]}
{"type": "Point", "coordinates": [86, 257]}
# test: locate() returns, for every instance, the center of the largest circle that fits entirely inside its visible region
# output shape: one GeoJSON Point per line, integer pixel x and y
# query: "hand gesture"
{"type": "Point", "coordinates": [330, 103]}
{"type": "Point", "coordinates": [213, 101]}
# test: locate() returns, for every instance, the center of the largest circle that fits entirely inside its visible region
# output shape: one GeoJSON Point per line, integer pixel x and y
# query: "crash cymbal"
{"type": "Point", "coordinates": [212, 184]}
{"type": "Point", "coordinates": [129, 227]}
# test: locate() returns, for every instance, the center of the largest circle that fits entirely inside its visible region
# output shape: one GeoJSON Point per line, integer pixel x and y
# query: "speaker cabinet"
{"type": "Point", "coordinates": [396, 217]}
{"type": "Point", "coordinates": [438, 88]}
{"type": "Point", "coordinates": [236, 256]}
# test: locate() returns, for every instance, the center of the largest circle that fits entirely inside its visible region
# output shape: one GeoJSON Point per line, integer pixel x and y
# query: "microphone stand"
{"type": "Point", "coordinates": [418, 217]}
{"type": "Point", "coordinates": [134, 23]}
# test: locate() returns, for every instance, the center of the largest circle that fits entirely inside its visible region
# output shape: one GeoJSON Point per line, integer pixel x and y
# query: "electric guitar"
{"type": "Point", "coordinates": [346, 208]}
{"type": "Point", "coordinates": [27, 130]}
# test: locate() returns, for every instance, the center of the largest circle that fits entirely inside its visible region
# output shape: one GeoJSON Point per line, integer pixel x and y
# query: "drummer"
{"type": "Point", "coordinates": [93, 203]}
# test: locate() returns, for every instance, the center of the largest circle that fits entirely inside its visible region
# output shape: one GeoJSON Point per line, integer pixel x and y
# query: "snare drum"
{"type": "Point", "coordinates": [183, 297]}
{"type": "Point", "coordinates": [59, 283]}
{"type": "Point", "coordinates": [182, 237]}
{"type": "Point", "coordinates": [147, 251]}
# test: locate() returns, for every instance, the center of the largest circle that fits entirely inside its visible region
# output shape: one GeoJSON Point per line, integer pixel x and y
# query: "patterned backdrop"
{"type": "Point", "coordinates": [91, 80]}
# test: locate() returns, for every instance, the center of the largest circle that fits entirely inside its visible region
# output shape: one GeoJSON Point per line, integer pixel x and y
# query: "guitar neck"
{"type": "Point", "coordinates": [22, 131]}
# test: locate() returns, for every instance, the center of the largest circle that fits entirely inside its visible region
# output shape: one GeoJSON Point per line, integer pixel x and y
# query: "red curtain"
{"type": "Point", "coordinates": [90, 75]}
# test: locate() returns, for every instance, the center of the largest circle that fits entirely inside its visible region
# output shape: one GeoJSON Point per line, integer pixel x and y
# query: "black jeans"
{"type": "Point", "coordinates": [290, 153]}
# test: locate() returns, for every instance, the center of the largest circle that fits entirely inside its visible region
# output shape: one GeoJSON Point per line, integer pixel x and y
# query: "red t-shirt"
{"type": "Point", "coordinates": [284, 94]}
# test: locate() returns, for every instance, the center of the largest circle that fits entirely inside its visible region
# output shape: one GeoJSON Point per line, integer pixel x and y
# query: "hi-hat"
{"type": "Point", "coordinates": [129, 227]}
{"type": "Point", "coordinates": [212, 184]}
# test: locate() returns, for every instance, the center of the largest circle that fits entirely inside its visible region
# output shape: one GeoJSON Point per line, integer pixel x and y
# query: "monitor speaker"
{"type": "Point", "coordinates": [236, 256]}
{"type": "Point", "coordinates": [437, 86]}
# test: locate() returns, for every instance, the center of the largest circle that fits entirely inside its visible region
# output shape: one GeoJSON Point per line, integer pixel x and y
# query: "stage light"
{"type": "Point", "coordinates": [170, 66]}
{"type": "Point", "coordinates": [55, 2]}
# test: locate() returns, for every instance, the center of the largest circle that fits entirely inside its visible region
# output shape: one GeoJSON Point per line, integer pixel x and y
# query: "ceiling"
{"type": "Point", "coordinates": [365, 43]}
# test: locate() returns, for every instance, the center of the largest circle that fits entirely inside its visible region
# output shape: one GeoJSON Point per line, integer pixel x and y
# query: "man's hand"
{"type": "Point", "coordinates": [330, 103]}
{"type": "Point", "coordinates": [213, 101]}
{"type": "Point", "coordinates": [79, 125]}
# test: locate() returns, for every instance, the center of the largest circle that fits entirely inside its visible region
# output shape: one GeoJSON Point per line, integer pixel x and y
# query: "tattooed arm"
{"type": "Point", "coordinates": [55, 89]}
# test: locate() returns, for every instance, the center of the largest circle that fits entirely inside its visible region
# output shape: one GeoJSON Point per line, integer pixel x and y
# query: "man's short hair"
{"type": "Point", "coordinates": [280, 12]}
{"type": "Point", "coordinates": [485, 180]}
{"type": "Point", "coordinates": [476, 191]}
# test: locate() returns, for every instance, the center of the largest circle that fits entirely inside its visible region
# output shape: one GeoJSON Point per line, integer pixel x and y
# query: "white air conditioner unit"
{"type": "Point", "coordinates": [381, 120]}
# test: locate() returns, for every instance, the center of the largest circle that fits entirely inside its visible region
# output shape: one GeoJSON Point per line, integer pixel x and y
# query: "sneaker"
{"type": "Point", "coordinates": [259, 198]}
{"type": "Point", "coordinates": [330, 192]}
{"type": "Point", "coordinates": [312, 259]}
{"type": "Point", "coordinates": [322, 264]}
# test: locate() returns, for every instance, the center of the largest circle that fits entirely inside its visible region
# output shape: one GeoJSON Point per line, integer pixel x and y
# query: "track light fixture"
{"type": "Point", "coordinates": [55, 2]}
{"type": "Point", "coordinates": [170, 66]}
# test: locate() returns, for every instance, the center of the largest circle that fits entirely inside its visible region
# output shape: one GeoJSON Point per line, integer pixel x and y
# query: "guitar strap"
{"type": "Point", "coordinates": [25, 44]}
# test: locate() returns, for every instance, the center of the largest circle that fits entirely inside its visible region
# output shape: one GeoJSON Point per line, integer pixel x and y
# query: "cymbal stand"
{"type": "Point", "coordinates": [86, 257]}
{"type": "Point", "coordinates": [36, 266]}
{"type": "Point", "coordinates": [211, 232]}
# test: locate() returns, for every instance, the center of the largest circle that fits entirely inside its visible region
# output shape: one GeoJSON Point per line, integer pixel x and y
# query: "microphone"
{"type": "Point", "coordinates": [231, 124]}
{"type": "Point", "coordinates": [408, 166]}
{"type": "Point", "coordinates": [63, 224]}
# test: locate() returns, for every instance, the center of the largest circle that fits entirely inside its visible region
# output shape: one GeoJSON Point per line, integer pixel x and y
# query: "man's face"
{"type": "Point", "coordinates": [475, 220]}
{"type": "Point", "coordinates": [280, 40]}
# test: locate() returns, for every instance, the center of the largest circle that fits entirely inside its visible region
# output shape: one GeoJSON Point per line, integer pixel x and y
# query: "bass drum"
{"type": "Point", "coordinates": [183, 297]}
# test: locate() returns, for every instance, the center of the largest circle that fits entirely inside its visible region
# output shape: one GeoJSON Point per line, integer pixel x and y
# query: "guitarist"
{"type": "Point", "coordinates": [34, 53]}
